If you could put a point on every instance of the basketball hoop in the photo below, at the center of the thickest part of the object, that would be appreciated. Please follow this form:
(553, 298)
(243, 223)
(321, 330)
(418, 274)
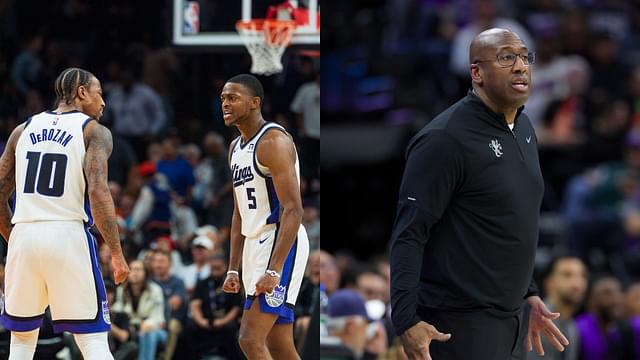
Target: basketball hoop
(266, 40)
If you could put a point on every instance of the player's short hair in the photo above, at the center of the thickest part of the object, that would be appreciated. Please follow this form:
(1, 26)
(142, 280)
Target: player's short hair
(67, 84)
(250, 82)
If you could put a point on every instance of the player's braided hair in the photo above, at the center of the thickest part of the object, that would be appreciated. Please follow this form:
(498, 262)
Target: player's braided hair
(67, 83)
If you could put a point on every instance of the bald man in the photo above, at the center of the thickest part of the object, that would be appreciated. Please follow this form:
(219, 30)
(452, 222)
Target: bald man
(466, 231)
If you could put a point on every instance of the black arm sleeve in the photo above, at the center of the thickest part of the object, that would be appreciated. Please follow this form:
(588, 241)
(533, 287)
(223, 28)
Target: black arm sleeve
(433, 172)
(533, 289)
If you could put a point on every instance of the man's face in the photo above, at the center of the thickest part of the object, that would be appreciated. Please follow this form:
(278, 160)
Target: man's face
(160, 264)
(507, 86)
(372, 287)
(329, 274)
(218, 268)
(169, 148)
(569, 281)
(607, 299)
(200, 254)
(237, 103)
(91, 99)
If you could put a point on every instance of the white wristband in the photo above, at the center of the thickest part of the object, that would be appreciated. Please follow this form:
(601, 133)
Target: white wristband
(232, 272)
(272, 273)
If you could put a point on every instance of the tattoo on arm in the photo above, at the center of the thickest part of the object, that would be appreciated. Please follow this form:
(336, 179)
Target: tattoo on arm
(8, 181)
(99, 146)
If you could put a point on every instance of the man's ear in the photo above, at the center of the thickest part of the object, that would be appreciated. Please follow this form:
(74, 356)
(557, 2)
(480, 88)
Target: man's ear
(476, 73)
(255, 102)
(81, 92)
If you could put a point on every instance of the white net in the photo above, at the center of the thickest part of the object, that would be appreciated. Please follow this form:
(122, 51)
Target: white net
(266, 41)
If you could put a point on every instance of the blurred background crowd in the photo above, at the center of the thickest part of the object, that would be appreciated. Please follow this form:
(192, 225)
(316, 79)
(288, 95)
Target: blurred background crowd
(168, 172)
(392, 65)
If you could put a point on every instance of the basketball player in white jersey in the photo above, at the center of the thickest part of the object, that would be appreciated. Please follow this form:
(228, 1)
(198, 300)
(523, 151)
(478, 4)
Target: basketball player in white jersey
(56, 162)
(266, 230)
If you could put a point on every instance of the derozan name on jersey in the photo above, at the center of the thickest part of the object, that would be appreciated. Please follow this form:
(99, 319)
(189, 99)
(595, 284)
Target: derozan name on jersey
(51, 135)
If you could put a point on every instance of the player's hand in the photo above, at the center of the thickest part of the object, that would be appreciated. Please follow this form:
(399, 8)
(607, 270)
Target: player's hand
(266, 284)
(540, 323)
(417, 338)
(120, 268)
(231, 284)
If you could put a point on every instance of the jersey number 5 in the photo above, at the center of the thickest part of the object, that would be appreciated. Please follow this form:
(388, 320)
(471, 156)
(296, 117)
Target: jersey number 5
(50, 178)
(251, 198)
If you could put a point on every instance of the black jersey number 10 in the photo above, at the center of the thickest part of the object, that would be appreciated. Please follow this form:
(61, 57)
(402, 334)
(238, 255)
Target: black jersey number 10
(50, 178)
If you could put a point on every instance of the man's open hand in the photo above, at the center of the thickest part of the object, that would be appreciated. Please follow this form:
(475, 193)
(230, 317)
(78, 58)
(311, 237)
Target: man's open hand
(541, 323)
(417, 338)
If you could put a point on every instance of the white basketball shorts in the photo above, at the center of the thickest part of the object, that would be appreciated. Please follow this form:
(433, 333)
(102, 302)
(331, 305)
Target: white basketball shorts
(54, 263)
(255, 260)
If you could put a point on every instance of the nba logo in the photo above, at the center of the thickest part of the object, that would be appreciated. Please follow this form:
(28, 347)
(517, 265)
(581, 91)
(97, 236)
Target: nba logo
(191, 17)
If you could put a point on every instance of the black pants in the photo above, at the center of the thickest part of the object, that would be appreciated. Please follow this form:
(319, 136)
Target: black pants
(478, 335)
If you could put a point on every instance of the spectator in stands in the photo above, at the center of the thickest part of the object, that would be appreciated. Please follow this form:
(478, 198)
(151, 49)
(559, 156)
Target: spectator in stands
(27, 66)
(175, 298)
(609, 124)
(136, 111)
(121, 162)
(202, 174)
(594, 205)
(329, 275)
(214, 328)
(143, 301)
(609, 73)
(201, 248)
(152, 210)
(311, 222)
(565, 286)
(372, 286)
(180, 176)
(220, 200)
(121, 340)
(347, 324)
(166, 244)
(307, 298)
(597, 327)
(177, 170)
(306, 106)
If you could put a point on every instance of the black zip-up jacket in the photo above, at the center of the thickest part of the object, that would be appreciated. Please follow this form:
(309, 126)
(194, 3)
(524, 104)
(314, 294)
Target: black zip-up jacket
(466, 229)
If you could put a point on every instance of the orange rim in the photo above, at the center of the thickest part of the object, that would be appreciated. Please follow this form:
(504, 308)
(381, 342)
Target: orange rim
(276, 32)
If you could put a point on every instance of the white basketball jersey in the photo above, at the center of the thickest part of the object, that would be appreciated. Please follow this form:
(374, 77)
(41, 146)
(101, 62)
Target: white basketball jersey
(50, 182)
(255, 194)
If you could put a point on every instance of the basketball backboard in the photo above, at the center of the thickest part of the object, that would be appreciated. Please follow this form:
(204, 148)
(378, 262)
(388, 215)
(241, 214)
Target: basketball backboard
(213, 22)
